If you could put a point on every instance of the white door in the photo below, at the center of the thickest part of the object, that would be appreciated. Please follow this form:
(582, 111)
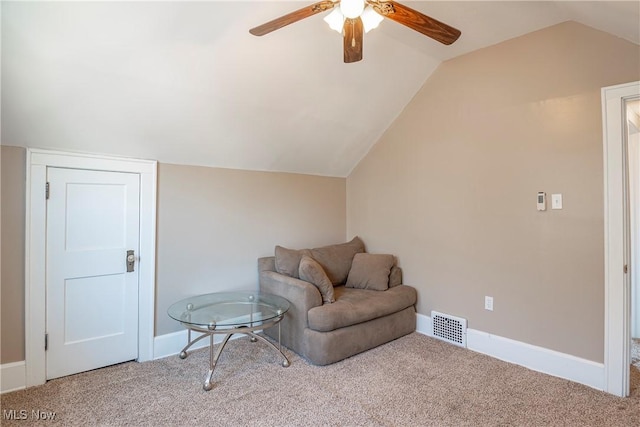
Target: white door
(91, 299)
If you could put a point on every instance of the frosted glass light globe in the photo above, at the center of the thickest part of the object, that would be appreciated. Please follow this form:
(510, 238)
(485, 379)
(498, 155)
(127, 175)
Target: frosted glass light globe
(370, 19)
(352, 8)
(335, 20)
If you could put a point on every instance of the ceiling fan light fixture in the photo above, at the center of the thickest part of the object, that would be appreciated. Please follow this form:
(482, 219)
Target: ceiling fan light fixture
(335, 20)
(370, 19)
(352, 8)
(352, 18)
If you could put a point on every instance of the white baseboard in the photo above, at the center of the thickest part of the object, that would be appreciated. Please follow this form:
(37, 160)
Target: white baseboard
(13, 376)
(536, 358)
(424, 324)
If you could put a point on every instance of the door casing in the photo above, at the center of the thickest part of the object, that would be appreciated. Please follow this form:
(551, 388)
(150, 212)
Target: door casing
(35, 249)
(617, 335)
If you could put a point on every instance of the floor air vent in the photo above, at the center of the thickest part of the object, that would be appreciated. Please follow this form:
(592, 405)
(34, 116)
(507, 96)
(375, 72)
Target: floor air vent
(449, 328)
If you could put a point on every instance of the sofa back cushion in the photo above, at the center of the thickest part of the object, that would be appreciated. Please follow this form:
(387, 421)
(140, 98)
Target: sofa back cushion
(288, 260)
(336, 259)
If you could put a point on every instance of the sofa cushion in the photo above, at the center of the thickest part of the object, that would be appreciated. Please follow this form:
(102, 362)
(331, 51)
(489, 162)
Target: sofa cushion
(312, 272)
(370, 271)
(288, 260)
(336, 259)
(355, 306)
(395, 277)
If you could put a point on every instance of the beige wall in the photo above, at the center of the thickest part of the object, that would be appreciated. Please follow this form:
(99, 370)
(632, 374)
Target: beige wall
(12, 190)
(451, 187)
(213, 224)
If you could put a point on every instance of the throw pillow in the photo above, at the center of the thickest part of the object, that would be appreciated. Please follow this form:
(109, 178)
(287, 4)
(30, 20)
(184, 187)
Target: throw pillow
(395, 277)
(312, 272)
(370, 271)
(336, 259)
(288, 260)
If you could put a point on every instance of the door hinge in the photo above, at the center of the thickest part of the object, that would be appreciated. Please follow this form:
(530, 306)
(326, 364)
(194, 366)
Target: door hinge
(46, 342)
(46, 191)
(625, 269)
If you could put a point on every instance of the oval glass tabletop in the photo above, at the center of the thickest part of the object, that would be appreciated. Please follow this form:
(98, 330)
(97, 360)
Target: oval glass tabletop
(228, 309)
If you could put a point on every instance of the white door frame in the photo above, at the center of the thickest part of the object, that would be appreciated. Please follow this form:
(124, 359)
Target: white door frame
(35, 251)
(616, 239)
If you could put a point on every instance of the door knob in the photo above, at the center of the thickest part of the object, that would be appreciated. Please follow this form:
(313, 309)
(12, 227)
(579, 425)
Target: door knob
(131, 259)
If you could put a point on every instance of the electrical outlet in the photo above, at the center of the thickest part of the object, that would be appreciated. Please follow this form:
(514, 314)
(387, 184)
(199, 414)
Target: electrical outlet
(488, 303)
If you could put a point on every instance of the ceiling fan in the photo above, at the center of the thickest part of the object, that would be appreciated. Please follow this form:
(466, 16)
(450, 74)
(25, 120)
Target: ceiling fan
(353, 17)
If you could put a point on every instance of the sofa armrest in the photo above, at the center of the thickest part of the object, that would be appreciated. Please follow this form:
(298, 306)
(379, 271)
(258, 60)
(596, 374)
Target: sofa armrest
(267, 264)
(302, 295)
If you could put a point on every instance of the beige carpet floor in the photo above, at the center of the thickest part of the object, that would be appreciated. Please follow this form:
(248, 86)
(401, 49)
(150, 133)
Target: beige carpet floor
(413, 381)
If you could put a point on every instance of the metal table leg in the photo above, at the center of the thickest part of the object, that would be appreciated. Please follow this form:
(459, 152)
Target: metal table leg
(213, 360)
(183, 354)
(215, 355)
(285, 362)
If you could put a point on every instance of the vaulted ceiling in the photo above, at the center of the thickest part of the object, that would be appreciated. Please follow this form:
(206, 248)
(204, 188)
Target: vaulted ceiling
(185, 82)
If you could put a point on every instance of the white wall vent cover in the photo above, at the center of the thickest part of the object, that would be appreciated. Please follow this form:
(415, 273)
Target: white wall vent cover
(449, 328)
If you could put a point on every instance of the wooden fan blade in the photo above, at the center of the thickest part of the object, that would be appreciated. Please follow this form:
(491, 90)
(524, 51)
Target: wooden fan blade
(292, 17)
(353, 31)
(417, 21)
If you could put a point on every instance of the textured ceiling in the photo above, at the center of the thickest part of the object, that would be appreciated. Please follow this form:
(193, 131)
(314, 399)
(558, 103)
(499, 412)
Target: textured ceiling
(185, 82)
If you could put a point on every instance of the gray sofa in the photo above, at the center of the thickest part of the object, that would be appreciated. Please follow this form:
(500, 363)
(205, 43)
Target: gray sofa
(364, 314)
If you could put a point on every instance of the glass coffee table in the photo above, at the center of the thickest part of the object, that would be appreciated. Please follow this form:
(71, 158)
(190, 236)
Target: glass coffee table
(229, 313)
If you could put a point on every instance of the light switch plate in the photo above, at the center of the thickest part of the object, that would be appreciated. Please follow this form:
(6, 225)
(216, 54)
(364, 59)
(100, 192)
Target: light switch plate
(556, 201)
